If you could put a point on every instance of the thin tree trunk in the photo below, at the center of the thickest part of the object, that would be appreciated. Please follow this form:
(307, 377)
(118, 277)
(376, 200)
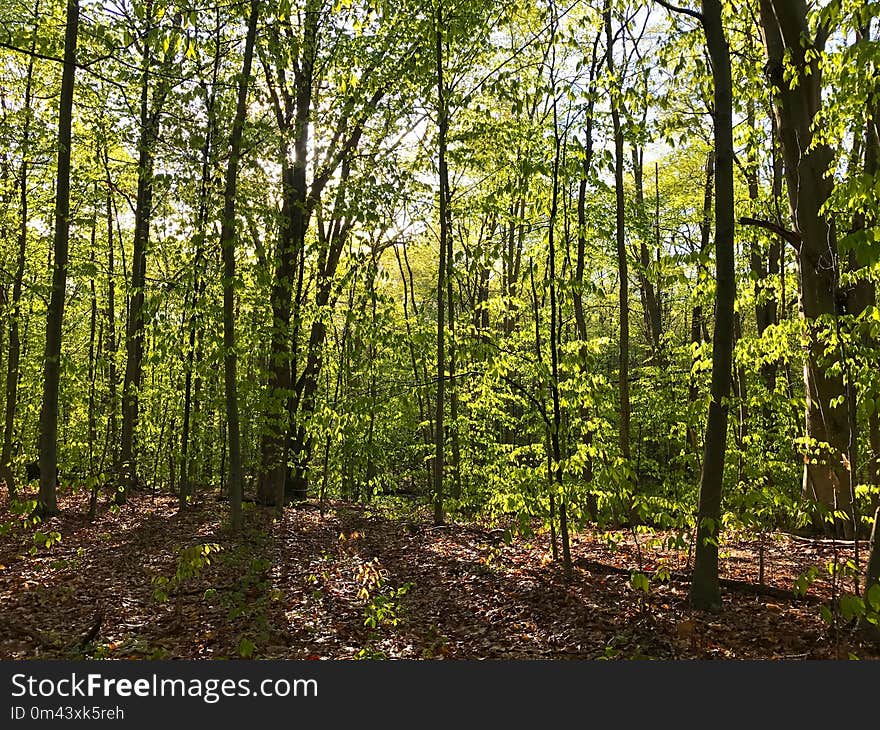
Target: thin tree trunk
(580, 270)
(47, 500)
(453, 388)
(14, 358)
(227, 250)
(705, 592)
(650, 301)
(443, 122)
(149, 132)
(93, 350)
(622, 264)
(199, 277)
(110, 341)
(555, 344)
(697, 324)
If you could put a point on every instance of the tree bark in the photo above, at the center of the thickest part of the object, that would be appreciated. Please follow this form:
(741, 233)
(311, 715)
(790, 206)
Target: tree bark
(14, 357)
(443, 124)
(786, 32)
(705, 591)
(149, 134)
(622, 264)
(555, 344)
(649, 296)
(47, 500)
(295, 217)
(199, 275)
(227, 251)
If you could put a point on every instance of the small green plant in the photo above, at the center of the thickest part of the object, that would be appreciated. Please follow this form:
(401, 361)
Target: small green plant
(246, 648)
(190, 562)
(370, 652)
(382, 610)
(381, 607)
(44, 540)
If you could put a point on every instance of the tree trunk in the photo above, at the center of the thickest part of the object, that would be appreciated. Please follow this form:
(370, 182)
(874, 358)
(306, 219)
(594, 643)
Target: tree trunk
(110, 340)
(227, 250)
(622, 264)
(199, 275)
(580, 268)
(443, 122)
(555, 344)
(705, 592)
(787, 34)
(47, 500)
(650, 299)
(295, 216)
(149, 133)
(453, 387)
(14, 357)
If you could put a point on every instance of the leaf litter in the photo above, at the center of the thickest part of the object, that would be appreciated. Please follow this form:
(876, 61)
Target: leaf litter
(360, 582)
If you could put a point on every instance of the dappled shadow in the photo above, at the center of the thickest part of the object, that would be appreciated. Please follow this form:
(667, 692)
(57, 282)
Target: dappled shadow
(105, 569)
(358, 583)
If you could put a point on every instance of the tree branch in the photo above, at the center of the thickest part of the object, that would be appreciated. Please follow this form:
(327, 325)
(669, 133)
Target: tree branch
(791, 236)
(683, 11)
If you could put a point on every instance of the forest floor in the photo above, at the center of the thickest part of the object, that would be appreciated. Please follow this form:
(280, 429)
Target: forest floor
(361, 582)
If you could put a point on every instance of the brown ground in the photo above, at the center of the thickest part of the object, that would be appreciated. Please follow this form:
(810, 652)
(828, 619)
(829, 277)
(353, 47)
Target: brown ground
(304, 587)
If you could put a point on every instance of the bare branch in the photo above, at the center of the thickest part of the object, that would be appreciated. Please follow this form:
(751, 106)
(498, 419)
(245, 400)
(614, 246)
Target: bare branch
(792, 237)
(683, 11)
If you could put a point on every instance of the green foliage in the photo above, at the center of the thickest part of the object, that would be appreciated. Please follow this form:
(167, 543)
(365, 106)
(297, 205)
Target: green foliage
(190, 562)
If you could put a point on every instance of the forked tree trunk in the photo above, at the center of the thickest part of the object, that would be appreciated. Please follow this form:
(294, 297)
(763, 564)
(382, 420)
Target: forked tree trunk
(295, 216)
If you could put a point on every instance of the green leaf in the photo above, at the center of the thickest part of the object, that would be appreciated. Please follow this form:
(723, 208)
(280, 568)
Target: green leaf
(246, 648)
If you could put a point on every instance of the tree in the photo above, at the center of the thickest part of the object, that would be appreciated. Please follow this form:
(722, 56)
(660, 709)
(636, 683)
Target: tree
(705, 591)
(14, 354)
(47, 501)
(227, 249)
(790, 43)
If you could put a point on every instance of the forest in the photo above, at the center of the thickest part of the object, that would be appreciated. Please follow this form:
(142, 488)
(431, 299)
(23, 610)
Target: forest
(439, 329)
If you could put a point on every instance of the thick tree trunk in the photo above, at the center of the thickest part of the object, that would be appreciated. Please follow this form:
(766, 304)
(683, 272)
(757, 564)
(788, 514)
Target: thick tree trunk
(786, 32)
(705, 592)
(295, 215)
(47, 500)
